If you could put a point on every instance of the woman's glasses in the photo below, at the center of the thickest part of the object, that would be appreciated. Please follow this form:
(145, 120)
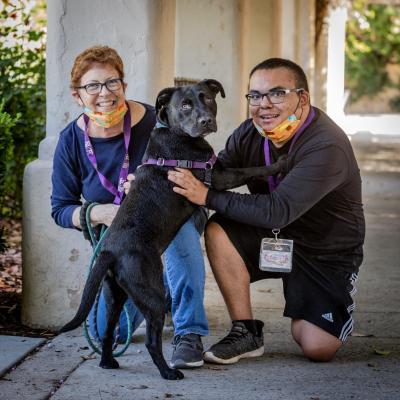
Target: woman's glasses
(95, 88)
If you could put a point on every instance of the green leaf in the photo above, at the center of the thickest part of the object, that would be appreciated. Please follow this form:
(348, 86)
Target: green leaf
(372, 43)
(23, 92)
(384, 353)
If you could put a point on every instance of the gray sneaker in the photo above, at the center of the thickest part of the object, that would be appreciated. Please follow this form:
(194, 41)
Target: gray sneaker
(239, 343)
(188, 351)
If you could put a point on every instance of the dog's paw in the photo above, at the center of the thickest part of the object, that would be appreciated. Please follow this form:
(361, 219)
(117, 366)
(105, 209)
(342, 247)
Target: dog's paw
(172, 374)
(107, 364)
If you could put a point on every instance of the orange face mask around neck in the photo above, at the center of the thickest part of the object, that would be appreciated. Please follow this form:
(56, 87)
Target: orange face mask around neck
(282, 132)
(107, 119)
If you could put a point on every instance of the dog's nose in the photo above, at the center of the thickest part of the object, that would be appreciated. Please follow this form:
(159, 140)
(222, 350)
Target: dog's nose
(204, 121)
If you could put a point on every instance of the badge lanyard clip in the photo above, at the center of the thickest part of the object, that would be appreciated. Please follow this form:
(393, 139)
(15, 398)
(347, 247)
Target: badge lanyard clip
(276, 232)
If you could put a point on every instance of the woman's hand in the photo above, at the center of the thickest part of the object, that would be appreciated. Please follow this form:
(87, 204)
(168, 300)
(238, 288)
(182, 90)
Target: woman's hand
(190, 187)
(127, 185)
(103, 214)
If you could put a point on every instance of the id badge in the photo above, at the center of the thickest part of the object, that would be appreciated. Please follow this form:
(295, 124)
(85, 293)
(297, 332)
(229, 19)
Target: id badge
(276, 254)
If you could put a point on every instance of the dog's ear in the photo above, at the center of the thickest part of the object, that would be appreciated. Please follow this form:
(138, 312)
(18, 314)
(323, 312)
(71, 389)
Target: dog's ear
(215, 86)
(163, 98)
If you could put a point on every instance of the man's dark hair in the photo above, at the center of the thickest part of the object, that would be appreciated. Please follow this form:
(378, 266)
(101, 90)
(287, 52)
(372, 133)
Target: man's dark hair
(273, 63)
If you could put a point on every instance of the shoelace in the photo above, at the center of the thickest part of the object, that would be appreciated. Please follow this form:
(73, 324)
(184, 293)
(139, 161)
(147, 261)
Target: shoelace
(233, 336)
(184, 340)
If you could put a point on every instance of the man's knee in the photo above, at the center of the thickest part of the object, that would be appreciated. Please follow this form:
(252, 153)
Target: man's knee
(319, 353)
(316, 344)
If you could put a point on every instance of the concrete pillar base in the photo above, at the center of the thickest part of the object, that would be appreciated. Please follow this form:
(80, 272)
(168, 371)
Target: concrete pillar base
(54, 259)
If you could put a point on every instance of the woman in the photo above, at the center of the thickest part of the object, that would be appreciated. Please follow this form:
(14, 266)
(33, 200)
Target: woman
(94, 155)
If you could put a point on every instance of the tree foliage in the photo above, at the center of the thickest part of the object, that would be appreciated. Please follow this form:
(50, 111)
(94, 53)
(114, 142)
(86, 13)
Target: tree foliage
(6, 151)
(22, 90)
(372, 43)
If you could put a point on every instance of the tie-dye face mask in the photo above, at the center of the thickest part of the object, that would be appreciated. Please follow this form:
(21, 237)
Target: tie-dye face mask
(107, 119)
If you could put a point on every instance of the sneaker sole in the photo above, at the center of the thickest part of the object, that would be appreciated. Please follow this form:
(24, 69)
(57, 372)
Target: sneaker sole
(186, 365)
(211, 358)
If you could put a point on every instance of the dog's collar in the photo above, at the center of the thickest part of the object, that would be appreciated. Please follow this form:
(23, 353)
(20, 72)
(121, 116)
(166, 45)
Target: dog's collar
(189, 164)
(160, 124)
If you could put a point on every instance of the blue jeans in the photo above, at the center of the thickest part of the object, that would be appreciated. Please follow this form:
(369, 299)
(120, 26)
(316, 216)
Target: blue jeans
(185, 275)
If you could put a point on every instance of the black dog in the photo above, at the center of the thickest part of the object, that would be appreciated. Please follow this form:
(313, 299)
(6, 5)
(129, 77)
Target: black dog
(150, 216)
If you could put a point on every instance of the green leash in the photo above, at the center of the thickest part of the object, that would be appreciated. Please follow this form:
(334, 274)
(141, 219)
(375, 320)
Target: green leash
(96, 245)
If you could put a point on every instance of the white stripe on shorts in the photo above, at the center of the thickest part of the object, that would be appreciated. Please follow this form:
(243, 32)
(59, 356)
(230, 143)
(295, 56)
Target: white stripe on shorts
(349, 324)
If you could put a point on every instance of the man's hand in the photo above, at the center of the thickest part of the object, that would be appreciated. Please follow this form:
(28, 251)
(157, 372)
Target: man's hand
(127, 184)
(190, 187)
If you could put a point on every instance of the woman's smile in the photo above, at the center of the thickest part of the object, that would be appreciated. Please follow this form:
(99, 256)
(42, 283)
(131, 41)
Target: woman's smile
(106, 105)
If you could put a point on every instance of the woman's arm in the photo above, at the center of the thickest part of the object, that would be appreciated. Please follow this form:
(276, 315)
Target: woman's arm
(66, 183)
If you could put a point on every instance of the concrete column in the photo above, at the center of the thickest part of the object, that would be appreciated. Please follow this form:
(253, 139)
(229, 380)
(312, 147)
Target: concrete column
(55, 259)
(287, 29)
(321, 58)
(258, 40)
(277, 29)
(207, 45)
(335, 65)
(305, 39)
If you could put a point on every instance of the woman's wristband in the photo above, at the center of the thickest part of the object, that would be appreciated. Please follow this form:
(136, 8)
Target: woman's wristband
(82, 219)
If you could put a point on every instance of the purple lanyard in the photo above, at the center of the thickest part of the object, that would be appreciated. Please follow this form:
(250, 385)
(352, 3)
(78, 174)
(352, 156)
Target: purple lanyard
(272, 182)
(119, 191)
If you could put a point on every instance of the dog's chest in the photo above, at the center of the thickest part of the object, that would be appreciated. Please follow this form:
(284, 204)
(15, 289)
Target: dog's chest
(168, 144)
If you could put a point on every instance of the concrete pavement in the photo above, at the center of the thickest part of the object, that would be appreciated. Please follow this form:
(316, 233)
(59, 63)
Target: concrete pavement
(14, 349)
(367, 367)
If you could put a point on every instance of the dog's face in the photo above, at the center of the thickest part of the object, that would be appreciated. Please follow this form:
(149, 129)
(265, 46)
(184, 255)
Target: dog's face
(190, 109)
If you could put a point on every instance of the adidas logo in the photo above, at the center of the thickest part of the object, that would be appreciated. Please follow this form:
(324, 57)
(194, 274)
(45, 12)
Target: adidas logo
(328, 316)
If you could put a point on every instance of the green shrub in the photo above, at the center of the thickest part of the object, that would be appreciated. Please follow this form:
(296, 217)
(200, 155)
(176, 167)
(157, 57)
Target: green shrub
(6, 151)
(22, 89)
(372, 43)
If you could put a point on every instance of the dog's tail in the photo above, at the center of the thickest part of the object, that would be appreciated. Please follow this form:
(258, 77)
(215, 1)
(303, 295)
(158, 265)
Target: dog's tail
(103, 263)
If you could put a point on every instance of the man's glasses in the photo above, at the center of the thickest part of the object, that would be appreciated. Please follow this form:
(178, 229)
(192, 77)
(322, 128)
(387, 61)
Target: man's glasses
(276, 96)
(95, 88)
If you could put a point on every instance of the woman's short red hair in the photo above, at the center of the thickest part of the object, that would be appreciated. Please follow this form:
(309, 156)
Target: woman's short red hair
(92, 55)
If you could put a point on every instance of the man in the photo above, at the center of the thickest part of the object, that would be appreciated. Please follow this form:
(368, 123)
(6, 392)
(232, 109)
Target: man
(317, 204)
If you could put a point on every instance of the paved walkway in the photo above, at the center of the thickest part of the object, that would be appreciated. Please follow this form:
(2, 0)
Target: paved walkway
(368, 366)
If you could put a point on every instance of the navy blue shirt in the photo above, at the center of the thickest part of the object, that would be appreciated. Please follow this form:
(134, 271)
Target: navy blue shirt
(74, 176)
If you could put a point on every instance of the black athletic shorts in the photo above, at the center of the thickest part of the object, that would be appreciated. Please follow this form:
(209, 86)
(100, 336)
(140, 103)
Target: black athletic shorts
(319, 288)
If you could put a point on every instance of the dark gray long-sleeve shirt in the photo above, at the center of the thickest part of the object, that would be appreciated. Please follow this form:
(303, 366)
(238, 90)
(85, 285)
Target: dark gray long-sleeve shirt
(317, 204)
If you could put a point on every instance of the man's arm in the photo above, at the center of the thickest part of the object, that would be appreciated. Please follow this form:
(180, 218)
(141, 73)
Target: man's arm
(320, 171)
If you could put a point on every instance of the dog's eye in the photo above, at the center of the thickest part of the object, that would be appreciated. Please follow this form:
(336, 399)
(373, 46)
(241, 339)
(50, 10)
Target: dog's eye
(208, 100)
(186, 106)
